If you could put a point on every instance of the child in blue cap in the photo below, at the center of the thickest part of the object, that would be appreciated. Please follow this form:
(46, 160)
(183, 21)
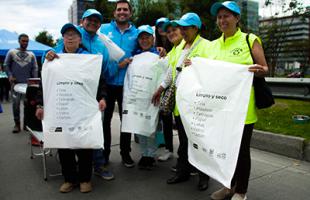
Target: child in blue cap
(147, 144)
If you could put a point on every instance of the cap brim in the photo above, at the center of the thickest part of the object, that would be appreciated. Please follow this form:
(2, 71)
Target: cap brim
(69, 26)
(180, 23)
(215, 7)
(144, 32)
(167, 24)
(96, 15)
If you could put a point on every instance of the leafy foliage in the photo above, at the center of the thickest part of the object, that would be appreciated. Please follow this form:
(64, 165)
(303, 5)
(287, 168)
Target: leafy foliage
(106, 8)
(45, 38)
(202, 8)
(148, 11)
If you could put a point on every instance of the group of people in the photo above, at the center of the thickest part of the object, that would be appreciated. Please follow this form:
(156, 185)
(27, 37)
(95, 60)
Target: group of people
(181, 39)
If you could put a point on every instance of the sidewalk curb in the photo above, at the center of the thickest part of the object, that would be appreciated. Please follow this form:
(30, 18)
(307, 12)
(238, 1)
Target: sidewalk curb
(307, 152)
(294, 147)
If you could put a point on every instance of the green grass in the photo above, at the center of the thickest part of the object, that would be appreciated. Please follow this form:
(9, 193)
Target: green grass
(278, 118)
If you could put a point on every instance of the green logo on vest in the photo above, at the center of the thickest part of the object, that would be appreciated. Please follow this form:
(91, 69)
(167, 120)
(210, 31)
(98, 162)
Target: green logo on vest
(236, 51)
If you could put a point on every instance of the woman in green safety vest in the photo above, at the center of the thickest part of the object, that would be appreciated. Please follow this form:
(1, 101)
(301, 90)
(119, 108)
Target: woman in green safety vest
(192, 45)
(233, 47)
(174, 37)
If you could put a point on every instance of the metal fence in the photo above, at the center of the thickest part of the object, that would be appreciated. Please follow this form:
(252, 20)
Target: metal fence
(295, 88)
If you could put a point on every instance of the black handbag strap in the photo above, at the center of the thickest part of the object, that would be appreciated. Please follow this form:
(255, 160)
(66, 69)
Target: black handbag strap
(247, 41)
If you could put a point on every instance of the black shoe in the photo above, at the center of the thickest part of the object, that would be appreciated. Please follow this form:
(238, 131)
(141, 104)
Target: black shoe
(127, 161)
(16, 128)
(150, 163)
(178, 178)
(173, 168)
(142, 163)
(203, 183)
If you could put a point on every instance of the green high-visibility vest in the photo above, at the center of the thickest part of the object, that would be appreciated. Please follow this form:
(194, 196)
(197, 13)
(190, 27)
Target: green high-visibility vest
(235, 49)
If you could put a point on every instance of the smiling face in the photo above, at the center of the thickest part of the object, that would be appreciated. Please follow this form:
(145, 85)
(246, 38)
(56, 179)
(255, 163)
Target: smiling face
(122, 13)
(146, 41)
(189, 33)
(227, 21)
(91, 24)
(174, 35)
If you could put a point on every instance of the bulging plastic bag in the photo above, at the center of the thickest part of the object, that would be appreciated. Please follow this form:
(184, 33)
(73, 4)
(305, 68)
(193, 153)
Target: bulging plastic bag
(71, 113)
(115, 52)
(212, 97)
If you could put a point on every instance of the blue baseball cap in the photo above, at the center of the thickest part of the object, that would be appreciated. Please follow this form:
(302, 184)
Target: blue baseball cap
(145, 28)
(92, 12)
(161, 20)
(69, 26)
(169, 23)
(230, 5)
(189, 19)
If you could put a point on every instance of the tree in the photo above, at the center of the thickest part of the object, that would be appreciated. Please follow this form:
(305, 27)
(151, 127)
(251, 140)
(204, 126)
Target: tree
(148, 11)
(106, 8)
(202, 8)
(45, 38)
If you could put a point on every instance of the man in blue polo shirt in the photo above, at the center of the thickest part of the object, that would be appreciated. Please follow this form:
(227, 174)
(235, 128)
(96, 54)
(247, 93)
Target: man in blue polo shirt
(124, 34)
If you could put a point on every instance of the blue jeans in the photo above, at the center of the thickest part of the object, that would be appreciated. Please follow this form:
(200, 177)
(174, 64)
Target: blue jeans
(147, 145)
(16, 98)
(99, 154)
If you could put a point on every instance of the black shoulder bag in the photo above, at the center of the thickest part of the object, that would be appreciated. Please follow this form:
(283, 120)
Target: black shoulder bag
(263, 94)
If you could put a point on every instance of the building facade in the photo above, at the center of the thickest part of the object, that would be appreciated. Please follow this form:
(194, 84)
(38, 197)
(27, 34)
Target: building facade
(249, 11)
(77, 9)
(287, 43)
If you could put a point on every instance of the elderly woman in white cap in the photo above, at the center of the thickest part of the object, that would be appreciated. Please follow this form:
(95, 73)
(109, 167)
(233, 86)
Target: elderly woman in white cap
(173, 33)
(251, 51)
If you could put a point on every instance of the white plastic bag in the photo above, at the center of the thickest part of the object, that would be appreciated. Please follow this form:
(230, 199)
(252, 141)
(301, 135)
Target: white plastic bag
(115, 52)
(143, 77)
(71, 114)
(212, 97)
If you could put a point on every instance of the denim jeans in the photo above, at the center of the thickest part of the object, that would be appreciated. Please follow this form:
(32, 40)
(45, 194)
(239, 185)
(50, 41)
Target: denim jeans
(16, 98)
(147, 145)
(99, 154)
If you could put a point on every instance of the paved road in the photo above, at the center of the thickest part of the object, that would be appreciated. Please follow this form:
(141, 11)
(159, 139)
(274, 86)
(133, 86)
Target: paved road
(273, 177)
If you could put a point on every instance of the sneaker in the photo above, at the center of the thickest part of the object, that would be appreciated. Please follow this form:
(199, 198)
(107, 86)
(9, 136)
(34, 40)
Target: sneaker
(104, 173)
(239, 197)
(66, 187)
(165, 156)
(222, 193)
(127, 161)
(85, 187)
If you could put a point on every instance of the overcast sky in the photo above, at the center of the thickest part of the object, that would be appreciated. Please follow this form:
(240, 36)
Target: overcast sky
(33, 16)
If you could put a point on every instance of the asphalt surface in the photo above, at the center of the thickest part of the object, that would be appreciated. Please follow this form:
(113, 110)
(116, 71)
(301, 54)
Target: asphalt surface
(273, 177)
